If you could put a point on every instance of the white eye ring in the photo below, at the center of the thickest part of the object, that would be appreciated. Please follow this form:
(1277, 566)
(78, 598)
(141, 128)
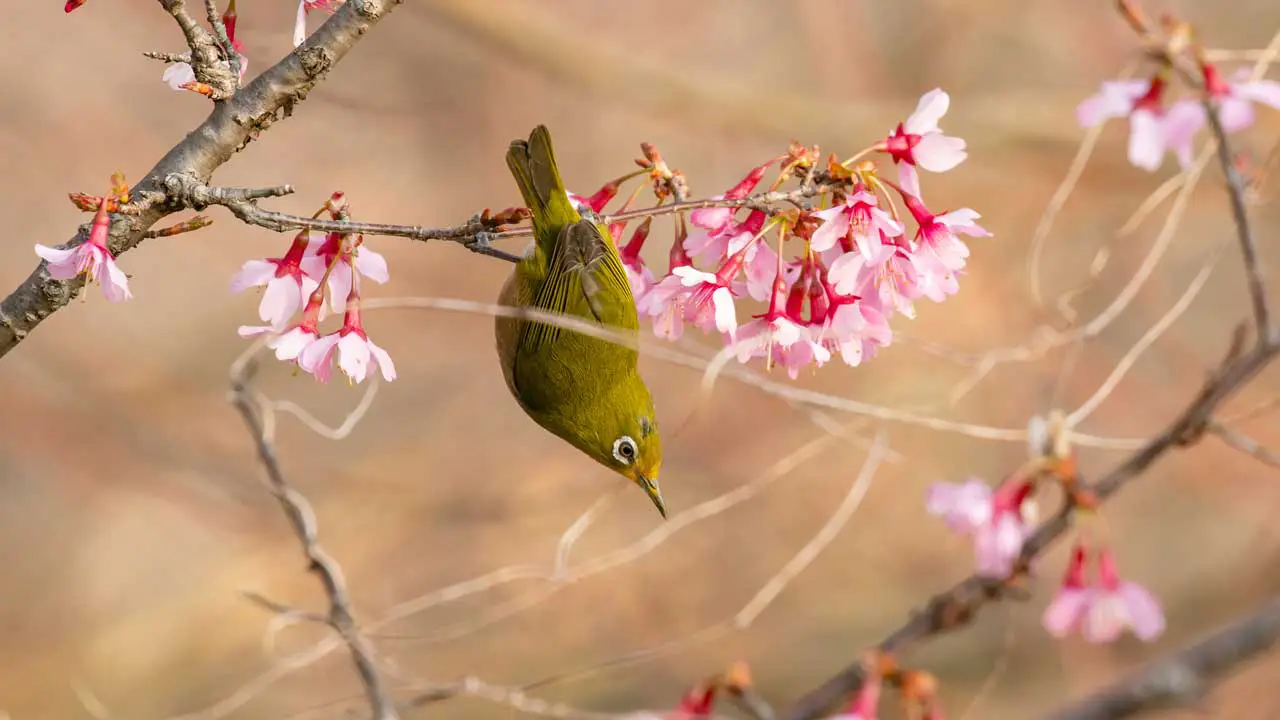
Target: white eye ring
(624, 450)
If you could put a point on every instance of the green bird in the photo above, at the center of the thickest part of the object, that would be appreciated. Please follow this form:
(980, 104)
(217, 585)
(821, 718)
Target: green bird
(585, 390)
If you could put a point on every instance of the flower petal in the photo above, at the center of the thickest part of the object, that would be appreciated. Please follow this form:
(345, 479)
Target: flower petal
(253, 273)
(932, 106)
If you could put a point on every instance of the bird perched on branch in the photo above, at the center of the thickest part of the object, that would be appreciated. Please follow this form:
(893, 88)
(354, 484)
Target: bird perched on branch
(585, 390)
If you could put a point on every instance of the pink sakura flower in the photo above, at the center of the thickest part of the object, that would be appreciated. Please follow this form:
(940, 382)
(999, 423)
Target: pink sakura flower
(91, 258)
(1071, 603)
(1153, 129)
(920, 142)
(1120, 604)
(716, 243)
(1235, 99)
(596, 202)
(1104, 611)
(995, 520)
(857, 330)
(664, 302)
(290, 343)
(939, 252)
(357, 354)
(286, 283)
(780, 334)
(708, 299)
(858, 218)
(883, 274)
(639, 276)
(358, 259)
(306, 6)
(72, 5)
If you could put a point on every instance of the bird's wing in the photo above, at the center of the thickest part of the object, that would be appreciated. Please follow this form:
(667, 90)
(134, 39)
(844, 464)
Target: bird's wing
(585, 278)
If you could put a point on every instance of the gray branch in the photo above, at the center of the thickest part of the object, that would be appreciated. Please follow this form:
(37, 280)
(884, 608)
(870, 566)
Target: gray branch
(271, 97)
(303, 521)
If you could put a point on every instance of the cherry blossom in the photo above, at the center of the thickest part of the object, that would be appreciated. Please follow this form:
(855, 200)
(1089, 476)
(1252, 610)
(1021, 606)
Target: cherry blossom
(327, 249)
(994, 520)
(1153, 129)
(708, 301)
(92, 258)
(1235, 99)
(287, 285)
(858, 218)
(356, 353)
(1071, 603)
(1119, 605)
(920, 142)
(639, 276)
(290, 343)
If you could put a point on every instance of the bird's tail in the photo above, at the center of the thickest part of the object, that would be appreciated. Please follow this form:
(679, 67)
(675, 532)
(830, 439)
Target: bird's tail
(533, 165)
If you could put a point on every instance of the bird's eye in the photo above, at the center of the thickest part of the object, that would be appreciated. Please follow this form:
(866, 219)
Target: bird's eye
(624, 450)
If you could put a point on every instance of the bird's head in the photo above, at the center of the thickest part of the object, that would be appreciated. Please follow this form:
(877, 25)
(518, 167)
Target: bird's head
(626, 440)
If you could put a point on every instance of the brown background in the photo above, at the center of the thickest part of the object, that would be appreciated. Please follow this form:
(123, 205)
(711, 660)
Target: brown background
(131, 514)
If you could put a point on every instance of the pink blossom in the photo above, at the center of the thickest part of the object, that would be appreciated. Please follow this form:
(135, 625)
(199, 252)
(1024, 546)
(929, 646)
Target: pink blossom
(859, 218)
(1235, 99)
(357, 354)
(886, 277)
(1068, 608)
(306, 6)
(716, 243)
(698, 702)
(286, 283)
(995, 520)
(920, 142)
(639, 276)
(1120, 604)
(290, 343)
(91, 258)
(779, 334)
(1152, 128)
(709, 301)
(359, 259)
(857, 330)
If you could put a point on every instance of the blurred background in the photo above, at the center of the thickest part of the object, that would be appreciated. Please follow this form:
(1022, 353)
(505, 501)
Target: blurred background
(132, 513)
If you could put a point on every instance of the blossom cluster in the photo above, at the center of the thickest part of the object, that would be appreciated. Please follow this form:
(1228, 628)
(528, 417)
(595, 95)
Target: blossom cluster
(831, 274)
(1157, 126)
(999, 523)
(315, 267)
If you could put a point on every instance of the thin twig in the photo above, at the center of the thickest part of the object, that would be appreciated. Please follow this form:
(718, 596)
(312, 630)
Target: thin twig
(1183, 678)
(1245, 444)
(303, 521)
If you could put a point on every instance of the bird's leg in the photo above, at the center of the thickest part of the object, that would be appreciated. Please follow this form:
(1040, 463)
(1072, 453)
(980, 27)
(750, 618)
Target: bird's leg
(483, 244)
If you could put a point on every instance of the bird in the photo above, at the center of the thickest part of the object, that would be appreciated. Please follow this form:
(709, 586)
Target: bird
(585, 390)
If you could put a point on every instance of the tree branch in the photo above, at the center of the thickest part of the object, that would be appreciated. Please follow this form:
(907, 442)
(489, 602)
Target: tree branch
(230, 126)
(1183, 678)
(956, 607)
(303, 521)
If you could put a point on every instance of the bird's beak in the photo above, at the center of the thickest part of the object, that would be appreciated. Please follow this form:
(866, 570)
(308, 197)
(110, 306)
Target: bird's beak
(651, 489)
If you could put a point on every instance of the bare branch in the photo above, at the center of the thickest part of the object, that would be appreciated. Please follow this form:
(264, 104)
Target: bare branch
(956, 607)
(232, 124)
(1245, 444)
(207, 53)
(302, 519)
(1183, 678)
